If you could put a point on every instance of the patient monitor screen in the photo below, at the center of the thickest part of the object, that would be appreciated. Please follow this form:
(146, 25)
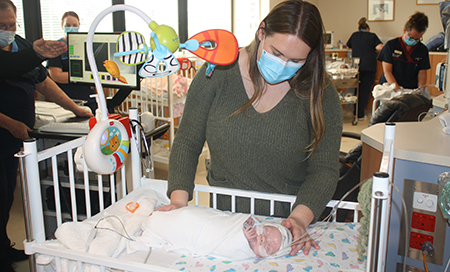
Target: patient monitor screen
(104, 47)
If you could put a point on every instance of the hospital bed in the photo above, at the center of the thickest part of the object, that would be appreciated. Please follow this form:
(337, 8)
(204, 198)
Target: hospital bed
(338, 241)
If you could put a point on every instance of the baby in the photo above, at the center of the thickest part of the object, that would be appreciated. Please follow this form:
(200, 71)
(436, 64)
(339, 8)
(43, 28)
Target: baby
(267, 240)
(202, 231)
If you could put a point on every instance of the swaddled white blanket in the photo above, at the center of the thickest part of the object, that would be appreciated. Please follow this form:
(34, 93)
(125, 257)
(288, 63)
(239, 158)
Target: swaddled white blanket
(107, 232)
(199, 231)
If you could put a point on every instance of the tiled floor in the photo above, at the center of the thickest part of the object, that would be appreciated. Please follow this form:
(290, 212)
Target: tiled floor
(16, 226)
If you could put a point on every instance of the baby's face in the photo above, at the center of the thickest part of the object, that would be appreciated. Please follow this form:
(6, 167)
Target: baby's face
(268, 241)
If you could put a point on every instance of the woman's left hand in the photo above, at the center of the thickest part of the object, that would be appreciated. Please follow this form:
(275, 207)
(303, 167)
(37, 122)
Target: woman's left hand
(297, 223)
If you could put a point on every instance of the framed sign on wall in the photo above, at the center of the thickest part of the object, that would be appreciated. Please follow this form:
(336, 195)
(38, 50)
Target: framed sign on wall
(381, 10)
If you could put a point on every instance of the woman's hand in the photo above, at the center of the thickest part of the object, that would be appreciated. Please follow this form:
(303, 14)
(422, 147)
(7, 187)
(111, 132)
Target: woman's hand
(178, 199)
(297, 223)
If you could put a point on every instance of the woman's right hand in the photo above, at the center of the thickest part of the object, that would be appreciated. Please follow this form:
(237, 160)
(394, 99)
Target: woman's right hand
(178, 199)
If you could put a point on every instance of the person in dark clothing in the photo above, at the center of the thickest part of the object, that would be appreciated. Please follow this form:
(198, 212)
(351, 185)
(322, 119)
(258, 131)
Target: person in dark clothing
(17, 116)
(364, 45)
(58, 67)
(405, 59)
(25, 60)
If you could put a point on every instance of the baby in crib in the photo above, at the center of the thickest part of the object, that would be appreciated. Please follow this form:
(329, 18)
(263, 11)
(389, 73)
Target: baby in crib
(204, 231)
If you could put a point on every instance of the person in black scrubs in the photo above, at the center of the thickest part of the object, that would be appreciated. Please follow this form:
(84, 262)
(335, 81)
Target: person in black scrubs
(17, 117)
(58, 68)
(405, 59)
(364, 45)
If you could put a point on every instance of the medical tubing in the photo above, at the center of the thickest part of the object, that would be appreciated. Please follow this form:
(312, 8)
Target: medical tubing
(425, 266)
(406, 224)
(90, 54)
(404, 207)
(126, 236)
(448, 264)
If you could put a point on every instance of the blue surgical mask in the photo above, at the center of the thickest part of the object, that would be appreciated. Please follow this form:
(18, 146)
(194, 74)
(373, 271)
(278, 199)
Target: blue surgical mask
(70, 29)
(411, 42)
(275, 70)
(6, 37)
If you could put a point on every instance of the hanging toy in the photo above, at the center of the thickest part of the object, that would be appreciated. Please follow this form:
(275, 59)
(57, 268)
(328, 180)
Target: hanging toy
(132, 49)
(107, 144)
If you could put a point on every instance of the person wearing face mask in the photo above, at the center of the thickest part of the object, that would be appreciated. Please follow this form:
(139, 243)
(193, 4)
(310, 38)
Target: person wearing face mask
(405, 59)
(17, 116)
(272, 121)
(58, 67)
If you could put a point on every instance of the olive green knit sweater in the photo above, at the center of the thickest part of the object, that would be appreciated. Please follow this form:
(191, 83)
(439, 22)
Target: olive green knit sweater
(260, 151)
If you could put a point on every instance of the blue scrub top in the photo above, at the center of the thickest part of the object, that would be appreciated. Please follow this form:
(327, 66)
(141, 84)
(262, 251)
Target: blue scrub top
(405, 64)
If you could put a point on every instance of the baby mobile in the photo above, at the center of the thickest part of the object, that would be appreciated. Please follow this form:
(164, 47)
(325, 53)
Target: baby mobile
(107, 144)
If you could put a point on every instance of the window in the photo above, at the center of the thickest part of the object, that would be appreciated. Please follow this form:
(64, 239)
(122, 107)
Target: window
(52, 11)
(21, 26)
(162, 12)
(247, 19)
(208, 14)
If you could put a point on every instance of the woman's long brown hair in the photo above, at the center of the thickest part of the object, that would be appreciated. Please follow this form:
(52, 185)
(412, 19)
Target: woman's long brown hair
(302, 19)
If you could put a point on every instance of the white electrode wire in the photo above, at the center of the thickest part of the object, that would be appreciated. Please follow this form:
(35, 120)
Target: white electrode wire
(326, 220)
(406, 224)
(90, 54)
(333, 211)
(448, 263)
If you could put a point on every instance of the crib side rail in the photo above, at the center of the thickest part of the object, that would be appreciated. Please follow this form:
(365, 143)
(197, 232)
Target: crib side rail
(85, 260)
(42, 169)
(253, 195)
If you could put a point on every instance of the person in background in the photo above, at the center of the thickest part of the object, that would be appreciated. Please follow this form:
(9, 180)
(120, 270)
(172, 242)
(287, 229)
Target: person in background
(58, 67)
(405, 59)
(18, 63)
(364, 45)
(272, 121)
(17, 116)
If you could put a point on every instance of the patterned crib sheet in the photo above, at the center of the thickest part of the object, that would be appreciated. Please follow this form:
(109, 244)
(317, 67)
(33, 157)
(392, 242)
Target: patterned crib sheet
(338, 252)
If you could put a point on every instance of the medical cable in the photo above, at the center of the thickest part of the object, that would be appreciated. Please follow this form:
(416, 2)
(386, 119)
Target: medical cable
(325, 221)
(425, 262)
(332, 213)
(406, 224)
(148, 165)
(126, 236)
(448, 263)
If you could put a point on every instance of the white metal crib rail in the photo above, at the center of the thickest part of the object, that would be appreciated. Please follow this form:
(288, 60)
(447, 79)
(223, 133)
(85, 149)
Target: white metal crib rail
(253, 195)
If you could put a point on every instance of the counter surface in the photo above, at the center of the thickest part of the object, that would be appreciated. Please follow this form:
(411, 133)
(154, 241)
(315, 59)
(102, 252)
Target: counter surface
(414, 141)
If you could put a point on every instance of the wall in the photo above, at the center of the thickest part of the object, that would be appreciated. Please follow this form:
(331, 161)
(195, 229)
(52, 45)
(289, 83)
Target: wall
(342, 16)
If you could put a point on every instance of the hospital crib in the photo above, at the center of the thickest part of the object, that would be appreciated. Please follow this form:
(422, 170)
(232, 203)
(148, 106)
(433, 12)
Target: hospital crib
(120, 186)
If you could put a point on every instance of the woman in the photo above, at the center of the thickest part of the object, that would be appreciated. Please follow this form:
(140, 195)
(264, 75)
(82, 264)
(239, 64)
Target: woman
(364, 45)
(58, 68)
(271, 119)
(405, 59)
